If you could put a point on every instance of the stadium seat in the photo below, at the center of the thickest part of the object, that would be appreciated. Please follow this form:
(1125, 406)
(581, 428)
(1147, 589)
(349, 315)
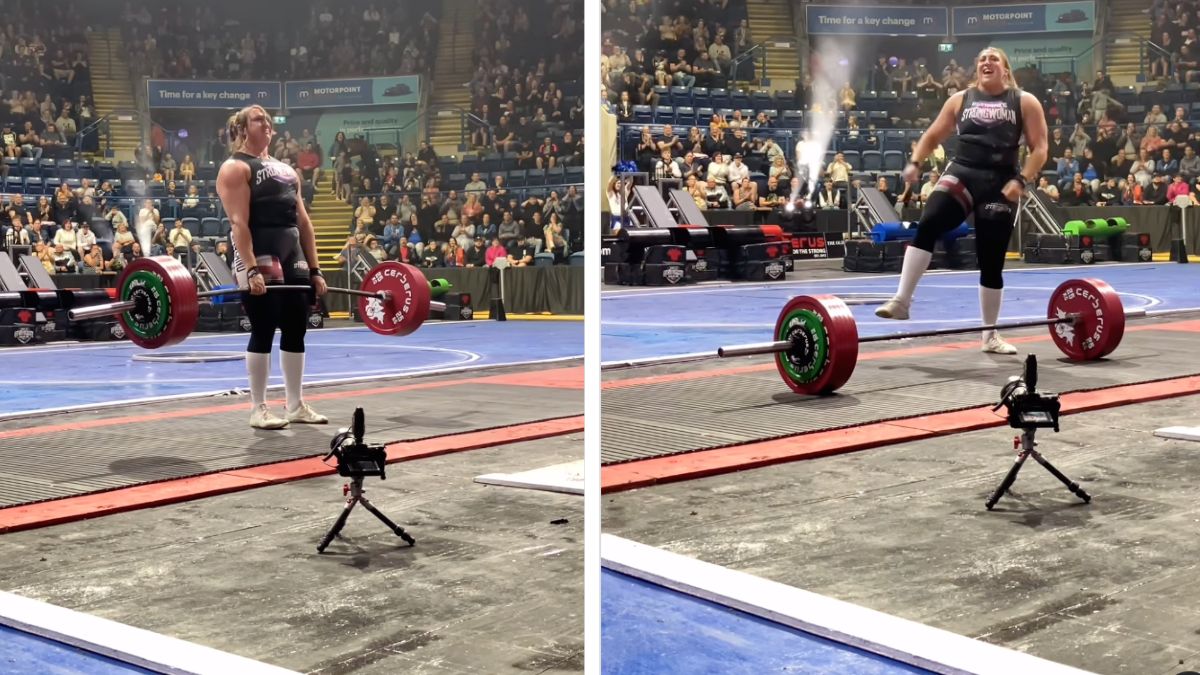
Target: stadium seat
(893, 160)
(29, 168)
(14, 183)
(704, 116)
(664, 95)
(792, 119)
(210, 227)
(872, 160)
(85, 169)
(73, 183)
(51, 184)
(895, 140)
(680, 96)
(158, 189)
(517, 178)
(168, 223)
(685, 115)
(492, 162)
(664, 114)
(740, 99)
(535, 177)
(33, 186)
(47, 168)
(643, 114)
(853, 159)
(207, 171)
(66, 168)
(225, 227)
(701, 98)
(192, 225)
(761, 100)
(556, 176)
(574, 175)
(719, 98)
(106, 170)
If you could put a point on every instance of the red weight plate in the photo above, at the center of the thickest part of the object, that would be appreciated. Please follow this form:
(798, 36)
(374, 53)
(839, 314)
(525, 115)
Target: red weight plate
(168, 288)
(834, 333)
(1102, 319)
(408, 306)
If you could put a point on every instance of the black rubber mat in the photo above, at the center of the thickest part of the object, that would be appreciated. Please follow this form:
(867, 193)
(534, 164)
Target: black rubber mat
(670, 417)
(63, 462)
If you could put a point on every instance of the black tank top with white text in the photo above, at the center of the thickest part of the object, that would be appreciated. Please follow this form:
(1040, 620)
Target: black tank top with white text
(989, 130)
(273, 192)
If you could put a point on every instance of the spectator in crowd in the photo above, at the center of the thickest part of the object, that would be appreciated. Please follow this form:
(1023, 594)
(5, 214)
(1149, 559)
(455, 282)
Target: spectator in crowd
(495, 251)
(1189, 166)
(476, 254)
(1109, 193)
(1177, 188)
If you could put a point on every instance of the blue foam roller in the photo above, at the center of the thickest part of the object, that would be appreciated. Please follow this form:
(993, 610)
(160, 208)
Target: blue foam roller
(233, 297)
(893, 231)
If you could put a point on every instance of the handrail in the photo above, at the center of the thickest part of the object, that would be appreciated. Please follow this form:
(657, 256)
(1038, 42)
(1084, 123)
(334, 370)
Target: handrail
(746, 56)
(102, 122)
(464, 117)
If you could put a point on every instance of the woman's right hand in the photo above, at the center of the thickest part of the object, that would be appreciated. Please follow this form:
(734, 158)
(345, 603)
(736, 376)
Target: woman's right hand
(258, 285)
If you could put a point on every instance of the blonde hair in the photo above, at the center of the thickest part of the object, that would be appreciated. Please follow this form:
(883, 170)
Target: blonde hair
(1009, 80)
(235, 126)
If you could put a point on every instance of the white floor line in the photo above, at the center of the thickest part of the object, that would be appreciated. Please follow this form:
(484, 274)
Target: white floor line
(124, 643)
(890, 636)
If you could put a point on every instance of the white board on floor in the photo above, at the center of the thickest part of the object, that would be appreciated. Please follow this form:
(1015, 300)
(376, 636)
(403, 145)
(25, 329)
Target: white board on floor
(1179, 433)
(566, 478)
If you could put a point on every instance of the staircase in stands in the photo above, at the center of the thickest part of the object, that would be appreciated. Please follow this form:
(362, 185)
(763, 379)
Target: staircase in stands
(451, 72)
(1126, 17)
(331, 222)
(773, 19)
(112, 89)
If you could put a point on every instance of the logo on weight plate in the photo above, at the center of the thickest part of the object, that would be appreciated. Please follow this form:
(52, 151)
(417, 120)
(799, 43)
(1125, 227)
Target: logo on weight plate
(23, 335)
(773, 270)
(314, 320)
(375, 310)
(244, 322)
(673, 274)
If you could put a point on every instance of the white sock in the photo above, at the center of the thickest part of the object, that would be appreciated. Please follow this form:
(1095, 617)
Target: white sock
(292, 365)
(916, 261)
(989, 308)
(258, 367)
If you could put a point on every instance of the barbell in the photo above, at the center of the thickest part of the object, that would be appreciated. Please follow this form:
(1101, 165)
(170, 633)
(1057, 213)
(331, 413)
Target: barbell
(816, 338)
(159, 303)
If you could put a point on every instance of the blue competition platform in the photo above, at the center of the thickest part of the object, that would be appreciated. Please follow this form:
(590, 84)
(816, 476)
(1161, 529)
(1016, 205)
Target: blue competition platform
(646, 628)
(639, 325)
(91, 374)
(22, 653)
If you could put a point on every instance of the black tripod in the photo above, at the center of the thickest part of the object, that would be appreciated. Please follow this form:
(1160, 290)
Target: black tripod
(355, 490)
(357, 460)
(1026, 444)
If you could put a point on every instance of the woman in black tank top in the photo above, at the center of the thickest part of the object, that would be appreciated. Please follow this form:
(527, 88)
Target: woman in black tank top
(983, 183)
(273, 241)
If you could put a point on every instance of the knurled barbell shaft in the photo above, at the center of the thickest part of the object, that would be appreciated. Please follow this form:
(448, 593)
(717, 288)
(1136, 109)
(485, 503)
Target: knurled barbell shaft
(785, 345)
(115, 308)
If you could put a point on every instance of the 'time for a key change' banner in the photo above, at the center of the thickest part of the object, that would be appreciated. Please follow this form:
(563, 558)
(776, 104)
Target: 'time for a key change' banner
(876, 20)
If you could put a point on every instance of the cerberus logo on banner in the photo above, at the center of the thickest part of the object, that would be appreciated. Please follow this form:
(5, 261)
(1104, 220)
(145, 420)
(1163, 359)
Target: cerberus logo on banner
(23, 335)
(117, 331)
(673, 274)
(773, 270)
(701, 265)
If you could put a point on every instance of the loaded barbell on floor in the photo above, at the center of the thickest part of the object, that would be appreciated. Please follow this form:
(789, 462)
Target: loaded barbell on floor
(816, 338)
(159, 302)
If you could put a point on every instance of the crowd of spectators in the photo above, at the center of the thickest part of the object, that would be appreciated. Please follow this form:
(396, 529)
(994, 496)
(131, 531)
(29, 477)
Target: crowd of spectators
(644, 45)
(318, 40)
(524, 53)
(1176, 52)
(45, 82)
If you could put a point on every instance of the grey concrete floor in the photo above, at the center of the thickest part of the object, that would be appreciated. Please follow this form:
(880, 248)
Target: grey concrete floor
(1112, 587)
(494, 584)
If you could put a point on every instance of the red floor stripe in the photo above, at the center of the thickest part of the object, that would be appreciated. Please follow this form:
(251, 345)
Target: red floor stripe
(71, 509)
(555, 378)
(691, 465)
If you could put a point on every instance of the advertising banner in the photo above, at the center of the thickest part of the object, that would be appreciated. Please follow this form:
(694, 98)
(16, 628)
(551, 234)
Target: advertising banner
(210, 94)
(1053, 17)
(357, 92)
(876, 20)
(1027, 51)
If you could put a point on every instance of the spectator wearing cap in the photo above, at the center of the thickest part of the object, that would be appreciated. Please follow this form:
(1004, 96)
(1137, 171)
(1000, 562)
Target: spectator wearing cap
(738, 171)
(666, 167)
(85, 239)
(476, 254)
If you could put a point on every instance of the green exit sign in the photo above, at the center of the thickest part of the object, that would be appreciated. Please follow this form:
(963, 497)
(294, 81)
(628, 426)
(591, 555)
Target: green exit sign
(946, 47)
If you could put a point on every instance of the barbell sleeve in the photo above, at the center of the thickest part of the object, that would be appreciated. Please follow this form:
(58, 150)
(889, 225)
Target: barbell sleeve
(100, 311)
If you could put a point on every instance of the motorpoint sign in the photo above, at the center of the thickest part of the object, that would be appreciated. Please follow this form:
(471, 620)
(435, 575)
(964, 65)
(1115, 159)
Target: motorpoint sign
(364, 91)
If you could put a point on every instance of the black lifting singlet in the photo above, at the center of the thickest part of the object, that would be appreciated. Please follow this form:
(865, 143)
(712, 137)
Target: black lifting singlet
(272, 192)
(989, 130)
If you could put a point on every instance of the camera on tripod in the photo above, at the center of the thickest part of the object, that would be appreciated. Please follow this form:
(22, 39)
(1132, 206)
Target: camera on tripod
(1027, 409)
(355, 458)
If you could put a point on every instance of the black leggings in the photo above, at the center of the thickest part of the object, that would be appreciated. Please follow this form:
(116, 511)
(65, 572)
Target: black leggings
(963, 192)
(283, 310)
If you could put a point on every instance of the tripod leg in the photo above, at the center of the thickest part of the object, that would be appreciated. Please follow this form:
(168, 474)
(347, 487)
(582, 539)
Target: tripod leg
(1008, 480)
(395, 528)
(1071, 485)
(337, 526)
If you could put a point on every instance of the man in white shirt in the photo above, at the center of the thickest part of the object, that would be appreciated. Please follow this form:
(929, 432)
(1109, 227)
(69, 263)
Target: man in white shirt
(85, 239)
(666, 167)
(738, 171)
